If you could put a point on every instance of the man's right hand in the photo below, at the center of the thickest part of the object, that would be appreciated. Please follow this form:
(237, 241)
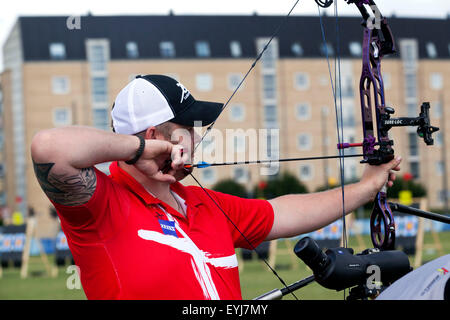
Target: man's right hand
(154, 157)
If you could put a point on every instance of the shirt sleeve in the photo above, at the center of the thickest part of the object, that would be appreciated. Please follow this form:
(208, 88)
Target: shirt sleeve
(99, 218)
(253, 217)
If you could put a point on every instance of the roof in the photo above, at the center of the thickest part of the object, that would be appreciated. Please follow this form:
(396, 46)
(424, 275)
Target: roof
(218, 31)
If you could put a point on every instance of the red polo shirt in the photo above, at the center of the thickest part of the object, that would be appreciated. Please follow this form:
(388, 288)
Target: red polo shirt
(130, 245)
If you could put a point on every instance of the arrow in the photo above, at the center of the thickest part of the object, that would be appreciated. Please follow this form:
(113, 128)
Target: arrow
(203, 164)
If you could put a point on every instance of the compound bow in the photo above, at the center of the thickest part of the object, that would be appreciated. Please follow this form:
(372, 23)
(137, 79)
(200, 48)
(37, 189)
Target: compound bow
(377, 43)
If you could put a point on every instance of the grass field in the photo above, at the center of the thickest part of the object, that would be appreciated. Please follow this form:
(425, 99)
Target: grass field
(256, 278)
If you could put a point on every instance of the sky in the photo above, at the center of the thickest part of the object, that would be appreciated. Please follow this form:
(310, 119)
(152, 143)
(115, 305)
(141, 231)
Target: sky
(10, 10)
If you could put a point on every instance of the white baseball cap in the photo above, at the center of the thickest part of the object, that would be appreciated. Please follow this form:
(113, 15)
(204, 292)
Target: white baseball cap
(154, 99)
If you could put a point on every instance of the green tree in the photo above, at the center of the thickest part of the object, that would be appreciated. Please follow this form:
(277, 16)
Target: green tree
(229, 186)
(286, 183)
(417, 189)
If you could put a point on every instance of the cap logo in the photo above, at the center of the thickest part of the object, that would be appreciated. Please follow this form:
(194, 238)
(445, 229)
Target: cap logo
(184, 92)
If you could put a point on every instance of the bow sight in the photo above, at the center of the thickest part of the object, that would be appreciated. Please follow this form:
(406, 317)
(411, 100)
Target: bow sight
(424, 128)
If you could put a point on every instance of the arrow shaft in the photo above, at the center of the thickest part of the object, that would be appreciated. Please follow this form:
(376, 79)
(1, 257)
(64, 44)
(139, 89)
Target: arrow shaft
(272, 161)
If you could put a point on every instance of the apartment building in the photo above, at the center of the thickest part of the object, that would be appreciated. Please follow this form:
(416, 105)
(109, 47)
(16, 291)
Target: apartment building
(57, 73)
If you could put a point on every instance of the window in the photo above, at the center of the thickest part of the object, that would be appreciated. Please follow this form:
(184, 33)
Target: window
(350, 171)
(235, 48)
(327, 49)
(269, 57)
(410, 85)
(62, 117)
(202, 49)
(301, 81)
(132, 50)
(57, 51)
(304, 141)
(167, 49)
(208, 145)
(240, 175)
(413, 147)
(439, 168)
(306, 172)
(2, 198)
(439, 139)
(272, 144)
(100, 118)
(408, 51)
(209, 175)
(99, 89)
(411, 109)
(97, 56)
(297, 49)
(303, 111)
(415, 169)
(239, 144)
(443, 196)
(355, 49)
(269, 86)
(204, 82)
(431, 50)
(60, 85)
(347, 87)
(348, 116)
(270, 115)
(234, 80)
(237, 113)
(387, 80)
(437, 109)
(436, 81)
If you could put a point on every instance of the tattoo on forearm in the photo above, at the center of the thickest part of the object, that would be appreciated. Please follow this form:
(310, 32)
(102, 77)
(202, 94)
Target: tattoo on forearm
(69, 190)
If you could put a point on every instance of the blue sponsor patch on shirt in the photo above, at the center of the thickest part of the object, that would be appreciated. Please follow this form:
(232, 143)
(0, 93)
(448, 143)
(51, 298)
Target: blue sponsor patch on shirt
(168, 227)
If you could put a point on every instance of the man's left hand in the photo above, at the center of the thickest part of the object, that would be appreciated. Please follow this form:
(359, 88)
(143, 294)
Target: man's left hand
(376, 176)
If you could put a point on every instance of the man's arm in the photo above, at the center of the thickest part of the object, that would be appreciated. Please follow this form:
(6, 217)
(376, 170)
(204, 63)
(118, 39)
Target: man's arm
(63, 159)
(302, 213)
(72, 188)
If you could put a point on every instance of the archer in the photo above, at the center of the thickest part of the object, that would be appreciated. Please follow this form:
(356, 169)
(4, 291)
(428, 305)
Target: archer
(139, 233)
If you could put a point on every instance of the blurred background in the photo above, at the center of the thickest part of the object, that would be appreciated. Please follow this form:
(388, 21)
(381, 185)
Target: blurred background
(64, 65)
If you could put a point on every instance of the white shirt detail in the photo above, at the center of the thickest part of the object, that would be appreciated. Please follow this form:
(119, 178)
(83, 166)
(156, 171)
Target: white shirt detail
(199, 259)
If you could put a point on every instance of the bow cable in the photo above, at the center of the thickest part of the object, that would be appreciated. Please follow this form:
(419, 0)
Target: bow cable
(338, 112)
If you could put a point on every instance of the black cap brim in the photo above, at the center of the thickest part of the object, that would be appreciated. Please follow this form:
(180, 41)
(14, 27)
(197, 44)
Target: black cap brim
(199, 114)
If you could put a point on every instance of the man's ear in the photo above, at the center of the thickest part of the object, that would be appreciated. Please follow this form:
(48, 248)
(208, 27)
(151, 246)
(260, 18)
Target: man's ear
(150, 133)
